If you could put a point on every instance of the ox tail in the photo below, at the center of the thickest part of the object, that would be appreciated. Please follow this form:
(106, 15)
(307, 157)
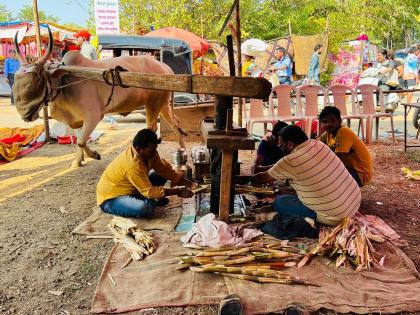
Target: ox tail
(175, 119)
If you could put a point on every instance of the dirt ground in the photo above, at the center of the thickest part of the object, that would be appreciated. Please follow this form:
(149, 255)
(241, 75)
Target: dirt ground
(42, 199)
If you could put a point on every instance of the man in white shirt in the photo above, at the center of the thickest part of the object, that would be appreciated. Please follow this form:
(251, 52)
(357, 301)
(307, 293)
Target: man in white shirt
(86, 49)
(325, 190)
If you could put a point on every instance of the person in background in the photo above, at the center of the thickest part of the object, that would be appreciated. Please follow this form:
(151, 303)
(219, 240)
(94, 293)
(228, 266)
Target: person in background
(283, 66)
(86, 49)
(11, 65)
(315, 65)
(268, 152)
(384, 69)
(250, 69)
(399, 66)
(133, 183)
(346, 145)
(410, 74)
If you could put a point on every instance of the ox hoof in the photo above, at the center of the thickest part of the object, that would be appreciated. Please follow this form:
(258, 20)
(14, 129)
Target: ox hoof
(96, 155)
(76, 164)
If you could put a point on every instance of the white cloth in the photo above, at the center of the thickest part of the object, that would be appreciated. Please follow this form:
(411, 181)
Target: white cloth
(88, 51)
(210, 232)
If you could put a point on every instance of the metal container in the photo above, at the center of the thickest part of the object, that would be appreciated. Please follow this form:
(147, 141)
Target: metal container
(200, 155)
(179, 157)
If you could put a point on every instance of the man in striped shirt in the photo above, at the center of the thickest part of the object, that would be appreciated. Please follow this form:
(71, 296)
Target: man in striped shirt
(325, 190)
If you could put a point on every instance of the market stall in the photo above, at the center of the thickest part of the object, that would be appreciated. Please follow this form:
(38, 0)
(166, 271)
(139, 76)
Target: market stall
(351, 60)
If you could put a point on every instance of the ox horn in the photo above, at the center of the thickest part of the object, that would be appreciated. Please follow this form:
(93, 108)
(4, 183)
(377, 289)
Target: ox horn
(47, 54)
(18, 55)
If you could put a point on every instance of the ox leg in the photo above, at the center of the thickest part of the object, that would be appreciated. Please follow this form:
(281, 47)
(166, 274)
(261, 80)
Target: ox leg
(89, 125)
(152, 117)
(173, 121)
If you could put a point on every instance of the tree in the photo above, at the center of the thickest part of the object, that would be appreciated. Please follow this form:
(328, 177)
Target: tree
(26, 13)
(387, 22)
(5, 14)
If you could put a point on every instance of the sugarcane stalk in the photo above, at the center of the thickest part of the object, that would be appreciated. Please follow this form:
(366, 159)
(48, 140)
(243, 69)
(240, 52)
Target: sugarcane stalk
(267, 280)
(224, 253)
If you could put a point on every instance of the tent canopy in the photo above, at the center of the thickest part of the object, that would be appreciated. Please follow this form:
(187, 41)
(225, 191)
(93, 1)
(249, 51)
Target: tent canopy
(198, 45)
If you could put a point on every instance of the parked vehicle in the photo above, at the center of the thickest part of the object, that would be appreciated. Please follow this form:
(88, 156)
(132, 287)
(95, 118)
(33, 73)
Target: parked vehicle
(177, 54)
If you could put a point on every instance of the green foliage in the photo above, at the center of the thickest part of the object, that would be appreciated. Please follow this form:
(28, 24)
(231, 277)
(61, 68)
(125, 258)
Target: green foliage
(386, 22)
(5, 14)
(26, 13)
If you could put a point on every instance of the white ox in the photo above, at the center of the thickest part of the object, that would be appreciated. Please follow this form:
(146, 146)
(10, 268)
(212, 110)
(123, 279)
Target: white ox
(83, 104)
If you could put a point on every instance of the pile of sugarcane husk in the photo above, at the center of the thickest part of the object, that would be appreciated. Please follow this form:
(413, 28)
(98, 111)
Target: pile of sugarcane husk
(260, 261)
(348, 244)
(137, 242)
(246, 189)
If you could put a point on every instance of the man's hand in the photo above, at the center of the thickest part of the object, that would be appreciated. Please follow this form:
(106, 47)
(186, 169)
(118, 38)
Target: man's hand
(185, 192)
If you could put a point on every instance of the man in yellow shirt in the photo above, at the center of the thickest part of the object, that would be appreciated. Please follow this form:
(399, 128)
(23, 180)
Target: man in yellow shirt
(132, 184)
(346, 145)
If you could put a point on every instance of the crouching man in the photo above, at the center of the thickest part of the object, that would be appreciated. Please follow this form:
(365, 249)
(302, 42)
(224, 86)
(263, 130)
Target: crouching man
(325, 190)
(132, 184)
(348, 147)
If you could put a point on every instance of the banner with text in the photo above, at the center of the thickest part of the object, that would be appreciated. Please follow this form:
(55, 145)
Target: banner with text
(107, 18)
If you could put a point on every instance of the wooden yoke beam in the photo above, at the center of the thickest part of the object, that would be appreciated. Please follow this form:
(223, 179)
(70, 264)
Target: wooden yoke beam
(194, 84)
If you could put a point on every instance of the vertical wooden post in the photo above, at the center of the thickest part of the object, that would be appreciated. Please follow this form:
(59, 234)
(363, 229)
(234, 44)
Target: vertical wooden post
(239, 58)
(290, 28)
(38, 42)
(225, 185)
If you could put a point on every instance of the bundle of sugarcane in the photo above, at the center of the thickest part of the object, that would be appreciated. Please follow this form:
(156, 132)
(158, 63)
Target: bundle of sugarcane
(349, 243)
(259, 261)
(243, 189)
(139, 243)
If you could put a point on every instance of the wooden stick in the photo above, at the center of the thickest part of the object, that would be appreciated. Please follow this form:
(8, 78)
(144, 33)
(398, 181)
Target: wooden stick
(110, 278)
(98, 236)
(129, 260)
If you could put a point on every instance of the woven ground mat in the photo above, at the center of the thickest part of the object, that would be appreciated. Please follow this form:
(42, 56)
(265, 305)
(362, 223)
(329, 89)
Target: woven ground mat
(164, 218)
(154, 282)
(395, 288)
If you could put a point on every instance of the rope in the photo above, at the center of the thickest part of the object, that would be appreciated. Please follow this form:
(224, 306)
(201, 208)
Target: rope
(53, 92)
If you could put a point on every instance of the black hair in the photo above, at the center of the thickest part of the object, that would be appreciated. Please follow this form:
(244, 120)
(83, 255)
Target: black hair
(144, 138)
(317, 46)
(330, 110)
(279, 125)
(383, 52)
(294, 134)
(281, 49)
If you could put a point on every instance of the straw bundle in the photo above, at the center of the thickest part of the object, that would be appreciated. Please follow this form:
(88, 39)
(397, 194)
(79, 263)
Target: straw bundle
(139, 243)
(349, 244)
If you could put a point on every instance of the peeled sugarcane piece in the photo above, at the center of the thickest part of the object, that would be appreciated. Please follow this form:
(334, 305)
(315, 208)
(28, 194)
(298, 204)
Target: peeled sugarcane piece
(139, 243)
(315, 250)
(243, 189)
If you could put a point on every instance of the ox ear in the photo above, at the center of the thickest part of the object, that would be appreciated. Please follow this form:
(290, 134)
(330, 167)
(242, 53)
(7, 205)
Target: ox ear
(57, 73)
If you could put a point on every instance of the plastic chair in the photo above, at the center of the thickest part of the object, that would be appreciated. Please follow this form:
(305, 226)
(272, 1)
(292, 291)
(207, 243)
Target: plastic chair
(310, 92)
(256, 115)
(339, 100)
(369, 110)
(283, 111)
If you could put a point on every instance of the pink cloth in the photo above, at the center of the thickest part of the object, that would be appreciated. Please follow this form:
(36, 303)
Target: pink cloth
(210, 232)
(378, 227)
